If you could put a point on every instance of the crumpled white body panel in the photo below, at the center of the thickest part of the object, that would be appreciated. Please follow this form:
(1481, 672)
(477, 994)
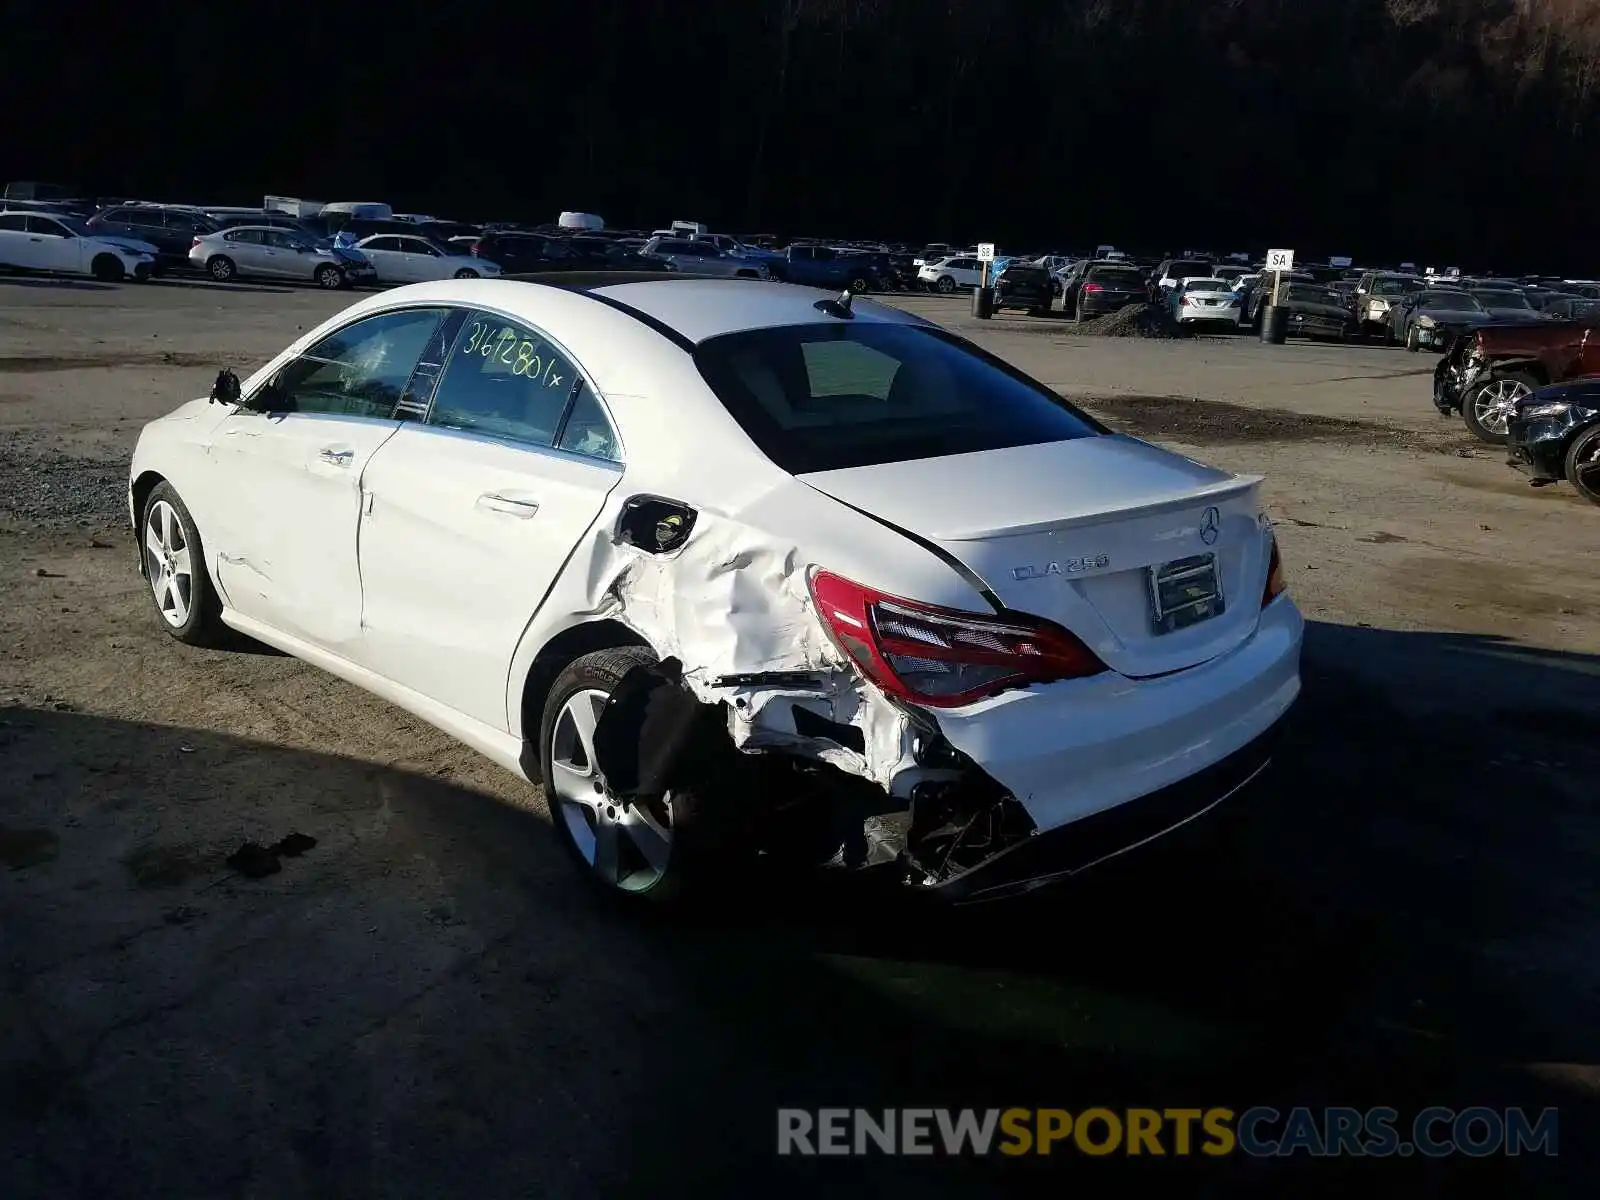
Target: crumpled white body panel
(732, 602)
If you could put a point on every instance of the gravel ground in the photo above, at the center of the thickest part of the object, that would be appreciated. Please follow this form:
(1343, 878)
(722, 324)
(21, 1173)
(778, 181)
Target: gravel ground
(43, 489)
(1406, 916)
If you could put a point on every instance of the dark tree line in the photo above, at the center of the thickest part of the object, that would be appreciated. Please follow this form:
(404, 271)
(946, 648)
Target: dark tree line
(1437, 129)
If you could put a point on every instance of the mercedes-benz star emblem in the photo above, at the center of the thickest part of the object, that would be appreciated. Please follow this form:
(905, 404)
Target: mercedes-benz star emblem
(1210, 526)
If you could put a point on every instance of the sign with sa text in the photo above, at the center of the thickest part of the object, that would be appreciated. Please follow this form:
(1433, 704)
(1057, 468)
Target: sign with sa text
(1280, 260)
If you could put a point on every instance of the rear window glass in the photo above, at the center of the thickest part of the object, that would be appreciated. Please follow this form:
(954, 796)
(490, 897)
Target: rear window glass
(826, 397)
(1189, 266)
(1016, 274)
(1117, 277)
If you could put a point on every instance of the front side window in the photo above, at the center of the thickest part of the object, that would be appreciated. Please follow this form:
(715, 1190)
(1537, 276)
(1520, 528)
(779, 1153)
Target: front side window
(829, 396)
(46, 227)
(504, 380)
(358, 371)
(418, 246)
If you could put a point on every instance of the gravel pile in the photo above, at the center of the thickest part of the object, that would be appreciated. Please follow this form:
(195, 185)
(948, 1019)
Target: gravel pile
(46, 490)
(1136, 320)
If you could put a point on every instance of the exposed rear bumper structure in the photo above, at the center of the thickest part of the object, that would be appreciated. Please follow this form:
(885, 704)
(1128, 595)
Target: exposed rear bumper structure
(1045, 858)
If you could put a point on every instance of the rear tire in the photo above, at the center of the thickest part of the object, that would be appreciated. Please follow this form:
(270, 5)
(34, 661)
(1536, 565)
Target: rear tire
(656, 853)
(107, 268)
(1583, 465)
(220, 267)
(859, 286)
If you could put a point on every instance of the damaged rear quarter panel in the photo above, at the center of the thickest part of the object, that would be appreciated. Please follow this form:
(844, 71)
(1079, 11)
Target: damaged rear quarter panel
(734, 601)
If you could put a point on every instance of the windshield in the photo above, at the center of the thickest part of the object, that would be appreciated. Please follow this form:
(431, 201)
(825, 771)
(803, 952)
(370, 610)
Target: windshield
(1459, 301)
(1495, 299)
(828, 396)
(1206, 285)
(79, 227)
(1393, 287)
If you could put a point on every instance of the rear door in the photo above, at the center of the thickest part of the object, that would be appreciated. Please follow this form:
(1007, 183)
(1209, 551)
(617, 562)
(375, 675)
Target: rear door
(383, 253)
(287, 481)
(419, 261)
(474, 512)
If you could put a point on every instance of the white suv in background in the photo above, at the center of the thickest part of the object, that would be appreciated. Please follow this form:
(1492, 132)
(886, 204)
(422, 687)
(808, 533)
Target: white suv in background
(948, 274)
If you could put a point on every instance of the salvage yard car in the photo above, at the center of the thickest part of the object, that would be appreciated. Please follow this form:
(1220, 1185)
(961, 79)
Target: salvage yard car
(1486, 371)
(916, 592)
(1022, 284)
(270, 252)
(39, 241)
(1554, 434)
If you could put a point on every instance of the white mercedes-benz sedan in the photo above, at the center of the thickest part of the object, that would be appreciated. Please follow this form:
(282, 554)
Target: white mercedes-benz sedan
(740, 572)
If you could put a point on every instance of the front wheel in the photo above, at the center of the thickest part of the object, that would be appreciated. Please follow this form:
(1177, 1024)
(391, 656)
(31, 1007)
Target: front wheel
(945, 285)
(858, 286)
(1487, 411)
(107, 268)
(330, 277)
(654, 850)
(1583, 465)
(175, 568)
(466, 273)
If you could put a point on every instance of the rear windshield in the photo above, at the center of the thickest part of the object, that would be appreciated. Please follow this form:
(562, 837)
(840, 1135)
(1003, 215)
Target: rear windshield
(1124, 277)
(1450, 300)
(1189, 266)
(828, 396)
(1491, 298)
(1030, 274)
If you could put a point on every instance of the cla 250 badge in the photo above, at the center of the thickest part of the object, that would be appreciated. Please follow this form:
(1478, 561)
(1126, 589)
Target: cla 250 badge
(1067, 566)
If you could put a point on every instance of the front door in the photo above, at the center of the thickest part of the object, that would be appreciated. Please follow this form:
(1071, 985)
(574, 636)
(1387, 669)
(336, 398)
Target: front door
(288, 477)
(474, 512)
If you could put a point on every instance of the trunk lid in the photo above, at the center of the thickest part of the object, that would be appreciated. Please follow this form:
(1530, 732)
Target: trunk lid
(1070, 531)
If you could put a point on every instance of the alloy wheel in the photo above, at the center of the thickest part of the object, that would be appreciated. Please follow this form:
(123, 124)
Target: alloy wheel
(1495, 402)
(168, 565)
(628, 844)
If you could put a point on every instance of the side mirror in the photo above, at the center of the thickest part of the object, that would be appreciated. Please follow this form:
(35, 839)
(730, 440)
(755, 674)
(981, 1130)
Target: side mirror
(226, 389)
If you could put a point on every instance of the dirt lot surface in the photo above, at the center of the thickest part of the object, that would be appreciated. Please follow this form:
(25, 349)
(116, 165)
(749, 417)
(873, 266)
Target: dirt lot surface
(426, 1004)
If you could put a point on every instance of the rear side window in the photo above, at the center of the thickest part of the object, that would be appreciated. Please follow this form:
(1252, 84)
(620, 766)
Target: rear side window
(504, 380)
(825, 397)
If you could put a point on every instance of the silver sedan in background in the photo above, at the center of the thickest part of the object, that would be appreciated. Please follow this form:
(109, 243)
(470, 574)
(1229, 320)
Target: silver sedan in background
(268, 251)
(702, 258)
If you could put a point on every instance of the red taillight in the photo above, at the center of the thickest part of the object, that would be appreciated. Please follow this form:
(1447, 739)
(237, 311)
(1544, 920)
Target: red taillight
(1182, 300)
(1276, 583)
(943, 657)
(1093, 287)
(194, 243)
(477, 250)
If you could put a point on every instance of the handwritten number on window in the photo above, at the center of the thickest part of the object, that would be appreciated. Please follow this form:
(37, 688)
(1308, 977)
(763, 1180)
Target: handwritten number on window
(521, 356)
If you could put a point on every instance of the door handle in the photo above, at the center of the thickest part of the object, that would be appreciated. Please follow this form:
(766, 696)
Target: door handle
(495, 502)
(337, 458)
